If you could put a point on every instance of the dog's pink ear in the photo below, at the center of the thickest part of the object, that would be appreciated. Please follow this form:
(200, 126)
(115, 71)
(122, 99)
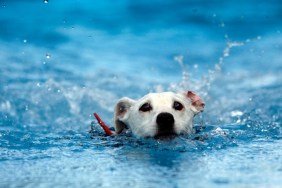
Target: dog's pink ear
(197, 103)
(121, 113)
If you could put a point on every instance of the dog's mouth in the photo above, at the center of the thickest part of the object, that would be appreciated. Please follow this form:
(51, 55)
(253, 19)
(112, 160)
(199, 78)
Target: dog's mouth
(167, 135)
(166, 132)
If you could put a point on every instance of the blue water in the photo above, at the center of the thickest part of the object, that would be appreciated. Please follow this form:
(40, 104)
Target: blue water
(62, 60)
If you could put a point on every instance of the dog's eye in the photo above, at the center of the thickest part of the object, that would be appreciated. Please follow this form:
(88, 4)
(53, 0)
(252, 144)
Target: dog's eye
(145, 107)
(177, 106)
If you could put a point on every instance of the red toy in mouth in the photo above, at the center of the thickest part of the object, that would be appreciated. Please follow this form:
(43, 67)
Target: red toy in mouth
(103, 125)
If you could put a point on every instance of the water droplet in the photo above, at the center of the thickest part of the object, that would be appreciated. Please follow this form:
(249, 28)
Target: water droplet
(45, 1)
(236, 113)
(38, 84)
(43, 62)
(222, 24)
(48, 56)
(24, 41)
(258, 37)
(217, 67)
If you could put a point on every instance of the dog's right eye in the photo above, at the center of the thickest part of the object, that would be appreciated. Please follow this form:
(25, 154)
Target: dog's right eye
(145, 107)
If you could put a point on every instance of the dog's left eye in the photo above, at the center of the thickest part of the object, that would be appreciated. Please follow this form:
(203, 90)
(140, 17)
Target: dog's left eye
(177, 106)
(145, 107)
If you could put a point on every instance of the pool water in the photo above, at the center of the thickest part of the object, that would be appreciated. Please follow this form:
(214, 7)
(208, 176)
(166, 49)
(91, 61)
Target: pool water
(61, 61)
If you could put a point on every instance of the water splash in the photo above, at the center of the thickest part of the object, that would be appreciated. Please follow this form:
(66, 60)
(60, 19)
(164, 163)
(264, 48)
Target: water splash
(245, 110)
(205, 138)
(203, 85)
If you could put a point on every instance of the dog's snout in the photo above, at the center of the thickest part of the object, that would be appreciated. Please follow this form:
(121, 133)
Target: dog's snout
(165, 121)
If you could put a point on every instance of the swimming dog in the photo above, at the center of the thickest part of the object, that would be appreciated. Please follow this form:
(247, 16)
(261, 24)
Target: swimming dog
(158, 114)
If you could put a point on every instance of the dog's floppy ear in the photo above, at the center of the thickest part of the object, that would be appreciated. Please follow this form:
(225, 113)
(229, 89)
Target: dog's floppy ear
(121, 113)
(197, 103)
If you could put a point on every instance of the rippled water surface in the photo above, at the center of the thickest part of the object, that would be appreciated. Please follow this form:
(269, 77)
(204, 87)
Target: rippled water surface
(62, 60)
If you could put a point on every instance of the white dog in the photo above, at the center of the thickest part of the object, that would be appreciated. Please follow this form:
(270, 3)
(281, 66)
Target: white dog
(158, 114)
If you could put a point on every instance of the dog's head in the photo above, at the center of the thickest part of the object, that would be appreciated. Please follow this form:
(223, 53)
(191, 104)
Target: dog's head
(158, 114)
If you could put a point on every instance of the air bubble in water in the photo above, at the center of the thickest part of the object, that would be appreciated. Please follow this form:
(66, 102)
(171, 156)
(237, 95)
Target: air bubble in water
(45, 1)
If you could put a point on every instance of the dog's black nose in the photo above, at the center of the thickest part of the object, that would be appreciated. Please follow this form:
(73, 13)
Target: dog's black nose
(165, 122)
